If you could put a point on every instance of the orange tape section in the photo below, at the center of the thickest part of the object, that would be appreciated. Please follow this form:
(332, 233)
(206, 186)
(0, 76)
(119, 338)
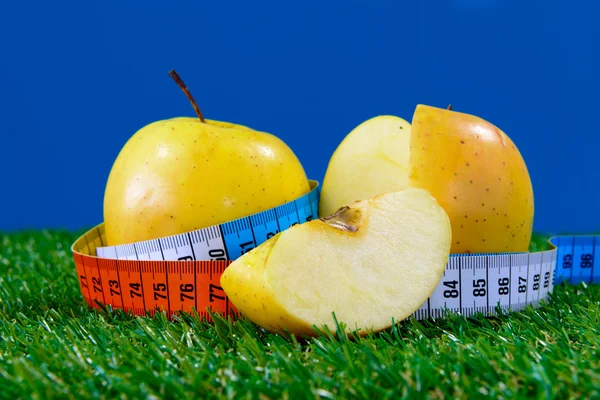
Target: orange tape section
(145, 287)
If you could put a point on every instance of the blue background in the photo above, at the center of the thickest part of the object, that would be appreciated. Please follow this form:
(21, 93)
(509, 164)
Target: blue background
(78, 78)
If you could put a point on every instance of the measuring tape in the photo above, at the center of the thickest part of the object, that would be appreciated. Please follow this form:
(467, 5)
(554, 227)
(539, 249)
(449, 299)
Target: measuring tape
(181, 273)
(488, 282)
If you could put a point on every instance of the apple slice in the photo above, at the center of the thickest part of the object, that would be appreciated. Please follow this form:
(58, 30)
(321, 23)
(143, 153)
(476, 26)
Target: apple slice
(372, 159)
(378, 259)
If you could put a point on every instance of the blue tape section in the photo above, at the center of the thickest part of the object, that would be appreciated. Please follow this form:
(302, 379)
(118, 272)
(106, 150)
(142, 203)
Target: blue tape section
(596, 266)
(575, 259)
(244, 234)
(286, 215)
(238, 237)
(314, 202)
(583, 259)
(265, 225)
(304, 209)
(564, 258)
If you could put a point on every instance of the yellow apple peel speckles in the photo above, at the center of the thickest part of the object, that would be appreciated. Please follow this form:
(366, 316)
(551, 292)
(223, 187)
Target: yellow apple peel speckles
(181, 174)
(478, 175)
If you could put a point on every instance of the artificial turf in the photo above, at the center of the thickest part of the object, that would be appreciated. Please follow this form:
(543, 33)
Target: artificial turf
(53, 346)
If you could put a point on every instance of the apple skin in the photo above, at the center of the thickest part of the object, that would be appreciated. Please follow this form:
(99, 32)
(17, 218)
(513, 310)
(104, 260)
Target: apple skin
(177, 175)
(478, 175)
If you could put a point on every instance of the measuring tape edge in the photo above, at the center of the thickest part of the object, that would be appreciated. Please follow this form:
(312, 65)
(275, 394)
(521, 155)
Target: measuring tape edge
(83, 240)
(97, 231)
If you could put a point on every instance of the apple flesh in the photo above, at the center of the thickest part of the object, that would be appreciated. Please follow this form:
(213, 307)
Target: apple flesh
(371, 160)
(370, 263)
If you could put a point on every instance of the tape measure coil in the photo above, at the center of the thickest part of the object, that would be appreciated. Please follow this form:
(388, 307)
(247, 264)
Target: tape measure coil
(182, 272)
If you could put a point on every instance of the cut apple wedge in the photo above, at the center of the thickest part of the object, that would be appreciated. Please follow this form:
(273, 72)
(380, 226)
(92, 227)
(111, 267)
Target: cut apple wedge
(371, 263)
(372, 159)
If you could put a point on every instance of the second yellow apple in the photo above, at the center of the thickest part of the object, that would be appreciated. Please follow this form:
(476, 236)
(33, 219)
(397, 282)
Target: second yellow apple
(470, 166)
(182, 174)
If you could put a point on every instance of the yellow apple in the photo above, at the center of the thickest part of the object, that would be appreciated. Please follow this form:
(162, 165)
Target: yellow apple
(372, 262)
(371, 160)
(470, 166)
(182, 174)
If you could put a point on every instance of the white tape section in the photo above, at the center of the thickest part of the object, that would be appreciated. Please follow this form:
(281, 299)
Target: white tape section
(486, 283)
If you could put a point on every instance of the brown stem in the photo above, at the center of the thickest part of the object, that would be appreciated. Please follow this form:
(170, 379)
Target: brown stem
(450, 107)
(173, 74)
(345, 219)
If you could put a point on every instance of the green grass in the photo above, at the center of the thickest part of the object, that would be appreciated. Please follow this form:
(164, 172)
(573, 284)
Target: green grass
(52, 345)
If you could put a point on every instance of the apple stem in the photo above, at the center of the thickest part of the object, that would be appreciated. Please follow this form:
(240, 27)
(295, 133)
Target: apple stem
(345, 219)
(173, 74)
(450, 107)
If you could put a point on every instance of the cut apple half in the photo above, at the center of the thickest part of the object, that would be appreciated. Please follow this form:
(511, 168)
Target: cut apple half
(371, 263)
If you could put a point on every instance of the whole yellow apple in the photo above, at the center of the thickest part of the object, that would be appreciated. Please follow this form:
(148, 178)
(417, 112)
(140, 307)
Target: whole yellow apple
(182, 174)
(471, 167)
